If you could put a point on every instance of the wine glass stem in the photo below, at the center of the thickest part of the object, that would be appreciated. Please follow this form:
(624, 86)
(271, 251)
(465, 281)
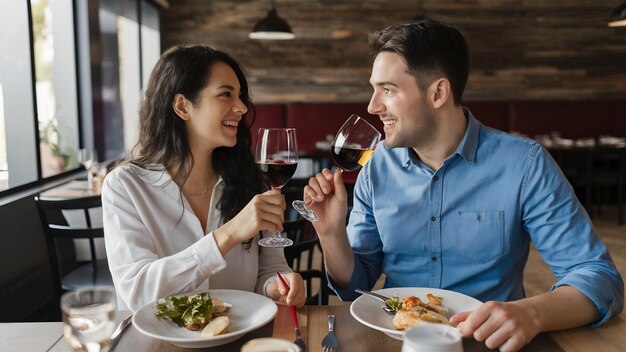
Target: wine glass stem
(276, 234)
(89, 179)
(93, 347)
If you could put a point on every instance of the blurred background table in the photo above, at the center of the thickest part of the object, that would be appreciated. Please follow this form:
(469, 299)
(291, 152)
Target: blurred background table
(597, 174)
(70, 190)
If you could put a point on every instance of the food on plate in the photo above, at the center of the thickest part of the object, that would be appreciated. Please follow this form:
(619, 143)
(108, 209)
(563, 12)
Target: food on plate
(216, 326)
(411, 311)
(195, 312)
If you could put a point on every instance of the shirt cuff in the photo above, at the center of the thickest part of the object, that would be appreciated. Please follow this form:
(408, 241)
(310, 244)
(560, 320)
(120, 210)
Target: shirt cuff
(267, 282)
(208, 255)
(608, 302)
(356, 281)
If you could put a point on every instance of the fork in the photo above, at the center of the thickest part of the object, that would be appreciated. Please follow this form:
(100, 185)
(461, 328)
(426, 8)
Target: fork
(381, 297)
(329, 343)
(298, 341)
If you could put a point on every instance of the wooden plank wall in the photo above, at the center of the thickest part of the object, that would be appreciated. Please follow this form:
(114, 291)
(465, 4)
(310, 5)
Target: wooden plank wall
(519, 49)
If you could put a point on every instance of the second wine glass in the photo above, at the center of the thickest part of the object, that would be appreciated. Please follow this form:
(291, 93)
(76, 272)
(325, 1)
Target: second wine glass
(86, 157)
(351, 149)
(277, 157)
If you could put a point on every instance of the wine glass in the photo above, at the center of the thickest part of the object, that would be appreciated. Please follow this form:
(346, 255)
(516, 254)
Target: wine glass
(277, 157)
(86, 157)
(89, 318)
(352, 148)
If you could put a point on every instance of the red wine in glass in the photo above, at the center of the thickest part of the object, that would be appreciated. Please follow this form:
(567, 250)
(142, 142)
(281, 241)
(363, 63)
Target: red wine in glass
(279, 172)
(350, 159)
(352, 148)
(277, 156)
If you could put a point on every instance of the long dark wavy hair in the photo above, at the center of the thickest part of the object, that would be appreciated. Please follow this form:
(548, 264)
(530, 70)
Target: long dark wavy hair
(186, 69)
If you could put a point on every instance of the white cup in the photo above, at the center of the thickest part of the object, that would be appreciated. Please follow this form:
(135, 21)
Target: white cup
(428, 337)
(269, 344)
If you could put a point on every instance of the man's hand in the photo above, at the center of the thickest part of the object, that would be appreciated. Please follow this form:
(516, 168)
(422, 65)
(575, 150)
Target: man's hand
(506, 326)
(511, 325)
(326, 195)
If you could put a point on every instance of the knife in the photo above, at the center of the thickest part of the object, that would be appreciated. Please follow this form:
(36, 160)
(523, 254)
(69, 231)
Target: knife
(117, 334)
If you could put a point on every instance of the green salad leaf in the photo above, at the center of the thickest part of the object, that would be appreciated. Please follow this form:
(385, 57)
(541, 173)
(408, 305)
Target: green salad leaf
(394, 303)
(191, 312)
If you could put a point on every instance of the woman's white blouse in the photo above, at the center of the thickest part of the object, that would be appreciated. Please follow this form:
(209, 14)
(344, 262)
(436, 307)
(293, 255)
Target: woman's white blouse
(156, 249)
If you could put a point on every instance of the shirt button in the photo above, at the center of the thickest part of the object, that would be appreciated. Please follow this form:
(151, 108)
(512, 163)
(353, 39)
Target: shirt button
(436, 178)
(433, 218)
(434, 258)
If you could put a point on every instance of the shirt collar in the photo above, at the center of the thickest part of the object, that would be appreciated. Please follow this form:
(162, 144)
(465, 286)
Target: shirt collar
(153, 174)
(469, 144)
(466, 149)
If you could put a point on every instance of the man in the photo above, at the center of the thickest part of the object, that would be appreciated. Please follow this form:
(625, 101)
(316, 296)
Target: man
(446, 202)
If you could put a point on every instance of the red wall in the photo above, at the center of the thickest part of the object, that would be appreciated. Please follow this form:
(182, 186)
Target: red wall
(572, 119)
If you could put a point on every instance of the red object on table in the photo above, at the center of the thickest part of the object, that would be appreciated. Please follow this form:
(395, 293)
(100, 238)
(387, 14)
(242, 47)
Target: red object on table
(292, 309)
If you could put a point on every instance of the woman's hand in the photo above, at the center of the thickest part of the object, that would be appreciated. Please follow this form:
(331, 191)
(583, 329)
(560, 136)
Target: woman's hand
(265, 211)
(294, 295)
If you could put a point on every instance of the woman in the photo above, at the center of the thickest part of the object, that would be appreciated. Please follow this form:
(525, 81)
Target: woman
(185, 212)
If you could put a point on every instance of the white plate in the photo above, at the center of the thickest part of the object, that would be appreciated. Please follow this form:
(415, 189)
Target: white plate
(367, 310)
(249, 311)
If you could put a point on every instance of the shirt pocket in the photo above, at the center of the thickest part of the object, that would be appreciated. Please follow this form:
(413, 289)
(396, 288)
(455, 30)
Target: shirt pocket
(479, 235)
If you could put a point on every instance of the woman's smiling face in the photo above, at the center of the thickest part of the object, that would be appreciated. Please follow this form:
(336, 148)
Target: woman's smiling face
(214, 117)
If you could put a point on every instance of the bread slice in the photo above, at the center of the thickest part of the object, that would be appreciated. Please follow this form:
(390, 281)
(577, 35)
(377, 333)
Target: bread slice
(216, 326)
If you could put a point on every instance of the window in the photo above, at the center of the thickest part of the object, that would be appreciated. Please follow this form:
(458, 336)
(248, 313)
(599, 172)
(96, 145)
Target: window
(55, 85)
(4, 167)
(48, 66)
(18, 150)
(128, 50)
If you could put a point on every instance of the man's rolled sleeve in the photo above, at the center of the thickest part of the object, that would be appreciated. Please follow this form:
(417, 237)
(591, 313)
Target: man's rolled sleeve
(604, 288)
(358, 279)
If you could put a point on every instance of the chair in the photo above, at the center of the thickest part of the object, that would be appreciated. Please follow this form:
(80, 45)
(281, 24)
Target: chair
(305, 240)
(609, 168)
(576, 165)
(293, 191)
(94, 273)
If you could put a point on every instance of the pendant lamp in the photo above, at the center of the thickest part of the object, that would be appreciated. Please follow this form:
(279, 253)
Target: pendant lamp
(618, 18)
(272, 27)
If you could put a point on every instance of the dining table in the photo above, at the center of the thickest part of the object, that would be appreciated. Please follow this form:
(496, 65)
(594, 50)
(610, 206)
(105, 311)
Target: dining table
(351, 335)
(70, 190)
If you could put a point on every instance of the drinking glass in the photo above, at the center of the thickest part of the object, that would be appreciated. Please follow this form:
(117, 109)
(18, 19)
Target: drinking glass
(87, 157)
(277, 157)
(351, 149)
(269, 344)
(429, 337)
(89, 318)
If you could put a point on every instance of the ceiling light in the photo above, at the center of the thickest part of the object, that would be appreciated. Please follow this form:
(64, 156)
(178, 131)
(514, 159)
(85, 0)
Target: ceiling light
(272, 27)
(618, 18)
